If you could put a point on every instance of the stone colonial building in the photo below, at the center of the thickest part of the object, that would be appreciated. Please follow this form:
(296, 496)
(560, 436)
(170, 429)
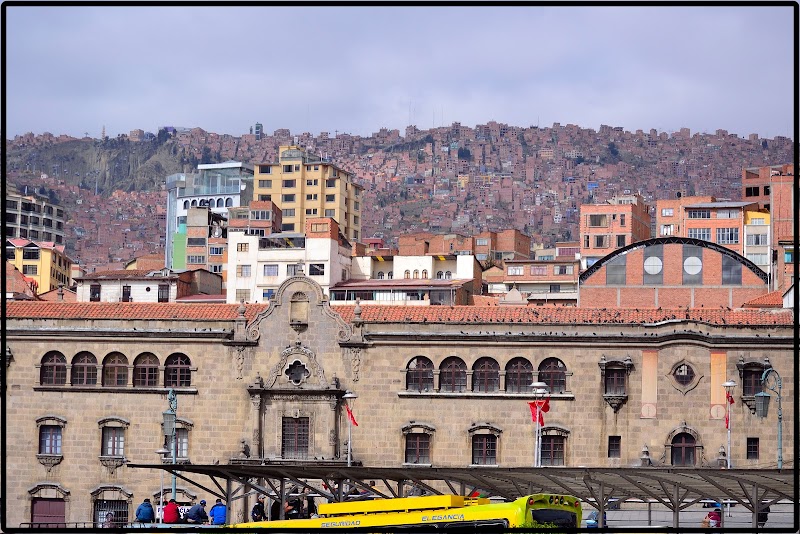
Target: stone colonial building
(446, 386)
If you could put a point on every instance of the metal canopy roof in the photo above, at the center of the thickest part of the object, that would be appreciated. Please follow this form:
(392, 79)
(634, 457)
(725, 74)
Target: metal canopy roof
(675, 488)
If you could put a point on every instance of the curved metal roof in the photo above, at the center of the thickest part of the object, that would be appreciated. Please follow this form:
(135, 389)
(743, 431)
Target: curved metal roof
(671, 241)
(675, 488)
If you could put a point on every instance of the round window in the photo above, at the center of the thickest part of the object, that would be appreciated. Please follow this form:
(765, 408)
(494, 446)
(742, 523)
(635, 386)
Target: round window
(684, 374)
(652, 265)
(692, 265)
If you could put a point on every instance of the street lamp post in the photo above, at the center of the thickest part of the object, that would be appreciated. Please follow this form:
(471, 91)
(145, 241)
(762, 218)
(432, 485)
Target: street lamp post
(162, 452)
(762, 404)
(170, 417)
(539, 391)
(729, 386)
(347, 396)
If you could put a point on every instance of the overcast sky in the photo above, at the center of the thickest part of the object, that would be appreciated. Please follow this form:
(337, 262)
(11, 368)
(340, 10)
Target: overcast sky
(356, 69)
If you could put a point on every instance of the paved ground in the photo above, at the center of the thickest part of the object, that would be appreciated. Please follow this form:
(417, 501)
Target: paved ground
(781, 516)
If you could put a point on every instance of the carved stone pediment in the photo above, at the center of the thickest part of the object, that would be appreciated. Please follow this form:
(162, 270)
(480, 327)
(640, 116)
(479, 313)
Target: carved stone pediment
(49, 460)
(615, 401)
(112, 462)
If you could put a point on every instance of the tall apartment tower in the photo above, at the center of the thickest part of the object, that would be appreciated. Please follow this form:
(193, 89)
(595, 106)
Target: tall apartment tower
(607, 227)
(304, 185)
(259, 131)
(32, 216)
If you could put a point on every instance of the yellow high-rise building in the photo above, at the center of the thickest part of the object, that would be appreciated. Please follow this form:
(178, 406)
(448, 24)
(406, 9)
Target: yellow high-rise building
(44, 262)
(304, 185)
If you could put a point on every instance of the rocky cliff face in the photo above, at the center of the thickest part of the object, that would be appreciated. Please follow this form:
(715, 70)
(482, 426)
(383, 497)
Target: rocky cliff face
(108, 165)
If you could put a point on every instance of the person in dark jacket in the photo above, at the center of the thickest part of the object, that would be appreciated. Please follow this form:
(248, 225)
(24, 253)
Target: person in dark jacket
(171, 513)
(197, 513)
(217, 513)
(145, 512)
(763, 515)
(258, 513)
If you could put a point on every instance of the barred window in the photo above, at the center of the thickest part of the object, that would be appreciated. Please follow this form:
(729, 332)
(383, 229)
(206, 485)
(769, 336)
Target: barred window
(519, 376)
(145, 371)
(486, 375)
(84, 369)
(418, 448)
(419, 374)
(484, 449)
(614, 446)
(113, 441)
(115, 370)
(53, 371)
(49, 439)
(177, 372)
(553, 450)
(615, 381)
(294, 438)
(453, 375)
(553, 372)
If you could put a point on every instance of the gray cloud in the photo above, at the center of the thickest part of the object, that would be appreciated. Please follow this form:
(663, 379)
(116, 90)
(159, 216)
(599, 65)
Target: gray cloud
(357, 69)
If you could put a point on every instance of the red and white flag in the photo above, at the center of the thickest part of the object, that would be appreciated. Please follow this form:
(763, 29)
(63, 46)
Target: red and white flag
(538, 407)
(350, 415)
(729, 398)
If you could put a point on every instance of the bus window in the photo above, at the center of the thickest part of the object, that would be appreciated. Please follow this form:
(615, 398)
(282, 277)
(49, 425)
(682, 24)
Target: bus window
(559, 517)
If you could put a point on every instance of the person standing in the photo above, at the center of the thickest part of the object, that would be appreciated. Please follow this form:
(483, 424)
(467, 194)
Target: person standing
(109, 522)
(197, 513)
(145, 512)
(218, 513)
(258, 513)
(171, 513)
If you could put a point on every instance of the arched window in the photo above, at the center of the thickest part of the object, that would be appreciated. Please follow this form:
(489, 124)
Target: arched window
(519, 376)
(484, 449)
(220, 203)
(84, 369)
(389, 275)
(407, 274)
(145, 370)
(553, 372)
(380, 275)
(186, 204)
(419, 374)
(439, 275)
(683, 450)
(486, 375)
(115, 370)
(194, 203)
(448, 275)
(54, 369)
(453, 375)
(416, 273)
(425, 273)
(177, 372)
(228, 202)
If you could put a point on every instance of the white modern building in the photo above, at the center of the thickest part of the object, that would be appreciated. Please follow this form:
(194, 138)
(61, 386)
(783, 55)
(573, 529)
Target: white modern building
(258, 265)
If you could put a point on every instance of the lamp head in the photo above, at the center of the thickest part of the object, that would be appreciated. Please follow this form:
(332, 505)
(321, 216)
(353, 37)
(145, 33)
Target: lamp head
(729, 386)
(163, 452)
(349, 395)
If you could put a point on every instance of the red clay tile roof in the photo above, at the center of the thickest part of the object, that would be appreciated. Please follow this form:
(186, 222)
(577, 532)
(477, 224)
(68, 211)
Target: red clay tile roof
(485, 300)
(52, 296)
(562, 315)
(16, 282)
(402, 314)
(770, 300)
(130, 311)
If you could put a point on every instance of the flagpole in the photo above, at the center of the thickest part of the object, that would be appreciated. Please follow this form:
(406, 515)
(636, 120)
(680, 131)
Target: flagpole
(539, 390)
(729, 386)
(349, 395)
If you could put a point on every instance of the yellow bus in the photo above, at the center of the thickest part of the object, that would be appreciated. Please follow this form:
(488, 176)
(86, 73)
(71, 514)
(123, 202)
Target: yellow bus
(438, 511)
